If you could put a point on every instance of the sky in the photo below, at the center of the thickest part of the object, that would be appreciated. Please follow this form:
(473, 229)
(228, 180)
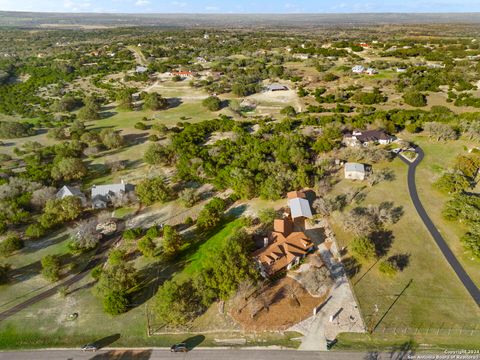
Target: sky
(241, 6)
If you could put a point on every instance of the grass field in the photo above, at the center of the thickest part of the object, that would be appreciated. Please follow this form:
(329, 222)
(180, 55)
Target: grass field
(435, 298)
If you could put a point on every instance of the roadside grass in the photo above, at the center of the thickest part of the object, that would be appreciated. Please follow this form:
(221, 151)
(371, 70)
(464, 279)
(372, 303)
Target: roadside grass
(435, 296)
(397, 342)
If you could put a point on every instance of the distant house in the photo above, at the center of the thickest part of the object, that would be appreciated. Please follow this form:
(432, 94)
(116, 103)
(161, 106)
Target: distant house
(367, 137)
(276, 87)
(401, 69)
(283, 248)
(141, 69)
(299, 205)
(358, 69)
(102, 195)
(301, 56)
(182, 74)
(371, 71)
(200, 59)
(364, 45)
(71, 191)
(354, 171)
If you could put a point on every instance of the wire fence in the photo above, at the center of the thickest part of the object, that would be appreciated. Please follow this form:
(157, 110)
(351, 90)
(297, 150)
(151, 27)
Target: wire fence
(475, 332)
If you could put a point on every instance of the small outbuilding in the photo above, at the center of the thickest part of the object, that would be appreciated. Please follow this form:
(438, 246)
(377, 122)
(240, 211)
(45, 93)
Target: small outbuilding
(276, 87)
(354, 171)
(299, 205)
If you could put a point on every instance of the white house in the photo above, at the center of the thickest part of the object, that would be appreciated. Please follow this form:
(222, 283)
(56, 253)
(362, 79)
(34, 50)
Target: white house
(358, 69)
(102, 195)
(371, 71)
(141, 69)
(71, 191)
(354, 171)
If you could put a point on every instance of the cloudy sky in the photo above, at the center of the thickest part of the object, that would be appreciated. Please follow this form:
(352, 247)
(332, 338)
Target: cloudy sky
(242, 6)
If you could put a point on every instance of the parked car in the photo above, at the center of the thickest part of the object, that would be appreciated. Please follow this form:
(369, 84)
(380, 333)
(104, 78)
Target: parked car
(90, 347)
(182, 347)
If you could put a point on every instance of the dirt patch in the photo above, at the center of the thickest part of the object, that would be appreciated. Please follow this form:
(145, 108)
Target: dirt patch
(283, 309)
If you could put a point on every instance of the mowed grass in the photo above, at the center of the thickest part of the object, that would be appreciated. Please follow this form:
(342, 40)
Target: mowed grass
(196, 260)
(435, 298)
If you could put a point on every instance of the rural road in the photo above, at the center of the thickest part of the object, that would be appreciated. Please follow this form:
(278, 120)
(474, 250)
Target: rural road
(75, 278)
(197, 354)
(441, 243)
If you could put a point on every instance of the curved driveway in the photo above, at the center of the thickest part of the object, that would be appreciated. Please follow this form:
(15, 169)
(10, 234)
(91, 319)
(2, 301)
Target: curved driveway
(447, 253)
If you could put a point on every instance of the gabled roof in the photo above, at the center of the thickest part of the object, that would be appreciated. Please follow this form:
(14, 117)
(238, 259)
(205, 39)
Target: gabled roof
(105, 190)
(296, 194)
(68, 191)
(276, 86)
(299, 208)
(370, 135)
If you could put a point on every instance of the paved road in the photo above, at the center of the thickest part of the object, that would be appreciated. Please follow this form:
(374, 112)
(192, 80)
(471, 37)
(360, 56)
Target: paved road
(98, 257)
(452, 260)
(197, 354)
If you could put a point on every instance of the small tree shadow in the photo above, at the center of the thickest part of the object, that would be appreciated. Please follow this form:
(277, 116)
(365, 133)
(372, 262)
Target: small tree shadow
(194, 341)
(352, 266)
(106, 341)
(124, 355)
(401, 260)
(383, 240)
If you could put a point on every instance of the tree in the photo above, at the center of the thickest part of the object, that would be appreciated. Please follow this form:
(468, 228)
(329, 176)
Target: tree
(172, 241)
(452, 183)
(177, 303)
(189, 197)
(11, 244)
(158, 154)
(13, 129)
(440, 131)
(41, 196)
(35, 231)
(85, 236)
(4, 270)
(378, 176)
(91, 110)
(69, 168)
(212, 103)
(330, 139)
(155, 101)
(147, 247)
(414, 98)
(115, 302)
(58, 211)
(51, 267)
(124, 99)
(363, 248)
(471, 240)
(267, 216)
(211, 214)
(111, 139)
(152, 190)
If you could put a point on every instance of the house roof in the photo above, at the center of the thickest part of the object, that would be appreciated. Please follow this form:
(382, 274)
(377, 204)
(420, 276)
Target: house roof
(296, 194)
(105, 190)
(299, 208)
(283, 250)
(354, 167)
(276, 86)
(284, 226)
(69, 191)
(141, 69)
(369, 135)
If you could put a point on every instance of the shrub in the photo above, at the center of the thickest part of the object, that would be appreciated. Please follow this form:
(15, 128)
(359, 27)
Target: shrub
(147, 247)
(11, 244)
(4, 269)
(212, 103)
(35, 231)
(388, 268)
(96, 272)
(115, 302)
(132, 234)
(189, 197)
(153, 232)
(152, 190)
(363, 248)
(51, 267)
(140, 126)
(414, 98)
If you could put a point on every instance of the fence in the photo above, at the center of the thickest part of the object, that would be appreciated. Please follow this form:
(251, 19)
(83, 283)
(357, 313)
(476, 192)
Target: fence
(429, 331)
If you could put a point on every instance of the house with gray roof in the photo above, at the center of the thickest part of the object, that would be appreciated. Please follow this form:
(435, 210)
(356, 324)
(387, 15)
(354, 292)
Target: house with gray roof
(71, 191)
(102, 195)
(276, 87)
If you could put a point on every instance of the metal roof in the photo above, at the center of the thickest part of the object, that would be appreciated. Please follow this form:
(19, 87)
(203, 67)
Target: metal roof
(299, 208)
(104, 190)
(355, 167)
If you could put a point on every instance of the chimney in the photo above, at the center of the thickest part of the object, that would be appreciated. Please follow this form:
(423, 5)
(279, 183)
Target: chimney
(265, 241)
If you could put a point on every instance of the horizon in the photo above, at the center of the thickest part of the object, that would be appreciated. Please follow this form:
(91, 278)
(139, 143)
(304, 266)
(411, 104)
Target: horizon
(267, 7)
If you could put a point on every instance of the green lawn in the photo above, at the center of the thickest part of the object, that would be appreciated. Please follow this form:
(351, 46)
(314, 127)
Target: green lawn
(195, 260)
(435, 298)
